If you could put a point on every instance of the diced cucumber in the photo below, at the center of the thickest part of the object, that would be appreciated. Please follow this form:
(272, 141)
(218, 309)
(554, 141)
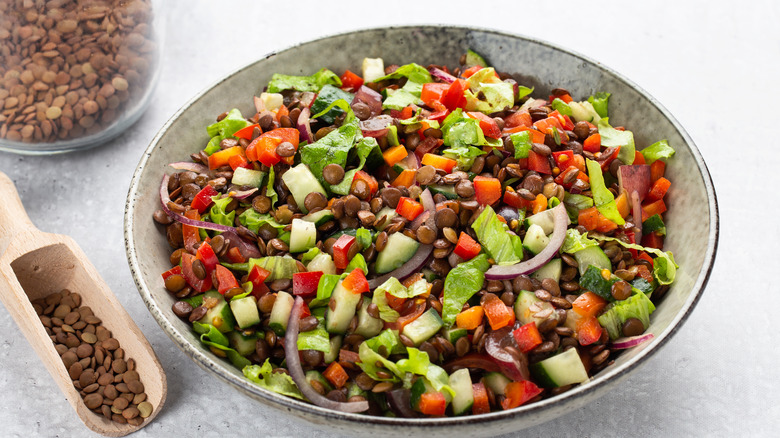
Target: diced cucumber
(460, 382)
(424, 327)
(447, 191)
(368, 326)
(335, 346)
(280, 312)
(523, 313)
(389, 214)
(278, 266)
(341, 309)
(316, 376)
(560, 370)
(454, 333)
(303, 235)
(473, 58)
(398, 250)
(496, 382)
(247, 177)
(373, 69)
(544, 219)
(300, 181)
(272, 101)
(584, 111)
(322, 262)
(535, 239)
(550, 270)
(220, 316)
(592, 255)
(245, 311)
(318, 217)
(244, 345)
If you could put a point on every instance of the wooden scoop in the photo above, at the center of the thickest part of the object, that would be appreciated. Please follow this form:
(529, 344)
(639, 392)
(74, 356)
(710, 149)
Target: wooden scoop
(34, 264)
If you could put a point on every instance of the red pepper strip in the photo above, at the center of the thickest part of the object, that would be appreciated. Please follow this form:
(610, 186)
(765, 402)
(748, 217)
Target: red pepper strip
(176, 270)
(350, 81)
(341, 250)
(454, 97)
(190, 234)
(234, 255)
(400, 323)
(195, 283)
(305, 283)
(433, 92)
(246, 133)
(373, 185)
(487, 124)
(518, 393)
(527, 337)
(467, 248)
(206, 255)
(203, 200)
(225, 279)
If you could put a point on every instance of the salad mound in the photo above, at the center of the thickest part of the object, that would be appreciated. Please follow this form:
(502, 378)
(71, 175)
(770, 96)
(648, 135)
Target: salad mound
(418, 241)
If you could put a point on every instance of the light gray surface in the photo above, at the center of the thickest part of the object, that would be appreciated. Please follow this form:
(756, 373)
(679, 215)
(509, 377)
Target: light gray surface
(709, 64)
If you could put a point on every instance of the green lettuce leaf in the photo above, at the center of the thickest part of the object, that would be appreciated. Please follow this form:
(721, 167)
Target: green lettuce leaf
(309, 255)
(600, 102)
(487, 93)
(218, 214)
(419, 363)
(317, 339)
(280, 383)
(664, 266)
(576, 242)
(366, 150)
(363, 237)
(254, 220)
(212, 337)
(325, 288)
(611, 137)
(413, 72)
(400, 99)
(333, 148)
(389, 340)
(464, 155)
(357, 262)
(656, 151)
(561, 106)
(416, 75)
(523, 91)
(492, 234)
(602, 197)
(368, 360)
(522, 143)
(269, 189)
(386, 313)
(461, 284)
(225, 128)
(325, 98)
(313, 83)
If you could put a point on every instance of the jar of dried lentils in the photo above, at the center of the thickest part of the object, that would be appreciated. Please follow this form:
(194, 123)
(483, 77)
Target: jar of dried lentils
(75, 73)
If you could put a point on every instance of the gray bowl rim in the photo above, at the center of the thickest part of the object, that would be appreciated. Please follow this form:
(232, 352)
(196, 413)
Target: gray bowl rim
(290, 404)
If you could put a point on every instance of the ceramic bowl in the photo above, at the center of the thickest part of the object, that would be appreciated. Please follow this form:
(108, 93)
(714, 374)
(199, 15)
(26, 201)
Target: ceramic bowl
(692, 218)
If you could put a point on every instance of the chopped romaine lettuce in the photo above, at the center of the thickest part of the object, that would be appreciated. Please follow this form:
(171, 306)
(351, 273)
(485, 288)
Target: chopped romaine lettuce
(212, 337)
(522, 143)
(386, 313)
(492, 234)
(602, 197)
(561, 106)
(333, 148)
(363, 237)
(357, 262)
(280, 383)
(413, 72)
(217, 213)
(487, 93)
(576, 242)
(600, 102)
(254, 220)
(462, 282)
(420, 363)
(464, 155)
(225, 128)
(325, 98)
(389, 340)
(664, 267)
(368, 363)
(416, 75)
(636, 306)
(611, 137)
(313, 83)
(523, 91)
(657, 151)
(316, 339)
(325, 289)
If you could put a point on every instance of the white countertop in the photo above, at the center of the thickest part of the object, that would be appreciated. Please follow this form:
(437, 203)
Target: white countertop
(710, 63)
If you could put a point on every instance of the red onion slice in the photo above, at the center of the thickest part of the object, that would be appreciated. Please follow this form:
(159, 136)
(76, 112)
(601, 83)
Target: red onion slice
(472, 360)
(426, 199)
(400, 401)
(418, 260)
(247, 249)
(304, 126)
(259, 104)
(370, 98)
(623, 343)
(376, 126)
(561, 221)
(243, 194)
(635, 178)
(296, 371)
(307, 98)
(419, 220)
(502, 347)
(636, 207)
(165, 199)
(189, 165)
(442, 75)
(411, 161)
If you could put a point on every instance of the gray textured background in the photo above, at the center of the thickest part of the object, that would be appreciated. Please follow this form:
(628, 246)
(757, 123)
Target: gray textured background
(709, 63)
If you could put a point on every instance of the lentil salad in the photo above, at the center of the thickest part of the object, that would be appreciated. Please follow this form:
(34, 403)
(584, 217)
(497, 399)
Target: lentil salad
(428, 242)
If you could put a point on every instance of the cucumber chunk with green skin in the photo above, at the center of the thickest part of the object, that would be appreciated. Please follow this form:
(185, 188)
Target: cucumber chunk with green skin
(367, 326)
(535, 239)
(398, 250)
(300, 181)
(335, 346)
(551, 269)
(244, 345)
(245, 311)
(316, 376)
(220, 316)
(544, 219)
(496, 382)
(453, 333)
(319, 217)
(460, 382)
(341, 309)
(389, 214)
(280, 313)
(560, 370)
(592, 256)
(303, 235)
(322, 262)
(524, 314)
(473, 58)
(247, 177)
(424, 327)
(447, 191)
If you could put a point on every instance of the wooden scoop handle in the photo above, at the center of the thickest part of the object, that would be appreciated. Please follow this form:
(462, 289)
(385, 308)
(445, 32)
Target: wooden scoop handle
(13, 217)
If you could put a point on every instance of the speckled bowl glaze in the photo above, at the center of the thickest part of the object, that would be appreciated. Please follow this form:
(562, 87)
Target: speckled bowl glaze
(692, 218)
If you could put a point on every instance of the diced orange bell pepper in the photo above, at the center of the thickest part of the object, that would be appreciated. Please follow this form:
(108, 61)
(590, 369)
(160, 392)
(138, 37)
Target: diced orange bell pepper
(433, 92)
(373, 185)
(658, 190)
(588, 330)
(588, 218)
(470, 318)
(481, 402)
(499, 315)
(409, 208)
(237, 161)
(622, 204)
(487, 189)
(433, 404)
(655, 207)
(335, 373)
(356, 282)
(517, 393)
(221, 158)
(439, 162)
(406, 178)
(657, 170)
(539, 204)
(592, 143)
(588, 304)
(520, 118)
(395, 154)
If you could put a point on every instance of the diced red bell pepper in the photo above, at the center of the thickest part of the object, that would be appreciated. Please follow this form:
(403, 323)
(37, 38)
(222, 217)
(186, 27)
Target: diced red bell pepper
(606, 162)
(202, 200)
(305, 283)
(350, 81)
(356, 282)
(658, 190)
(487, 189)
(467, 248)
(487, 124)
(190, 234)
(429, 144)
(513, 199)
(527, 337)
(631, 236)
(638, 158)
(657, 170)
(433, 91)
(335, 373)
(538, 163)
(439, 162)
(520, 118)
(454, 98)
(246, 133)
(653, 208)
(237, 161)
(234, 255)
(341, 250)
(592, 143)
(644, 256)
(588, 330)
(373, 185)
(481, 402)
(207, 256)
(409, 208)
(440, 111)
(176, 270)
(564, 159)
(469, 72)
(518, 393)
(653, 240)
(263, 148)
(564, 120)
(433, 404)
(193, 281)
(400, 323)
(499, 315)
(221, 158)
(225, 279)
(588, 304)
(257, 276)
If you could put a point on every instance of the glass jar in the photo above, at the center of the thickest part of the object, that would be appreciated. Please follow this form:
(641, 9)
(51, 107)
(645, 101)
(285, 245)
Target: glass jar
(75, 73)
